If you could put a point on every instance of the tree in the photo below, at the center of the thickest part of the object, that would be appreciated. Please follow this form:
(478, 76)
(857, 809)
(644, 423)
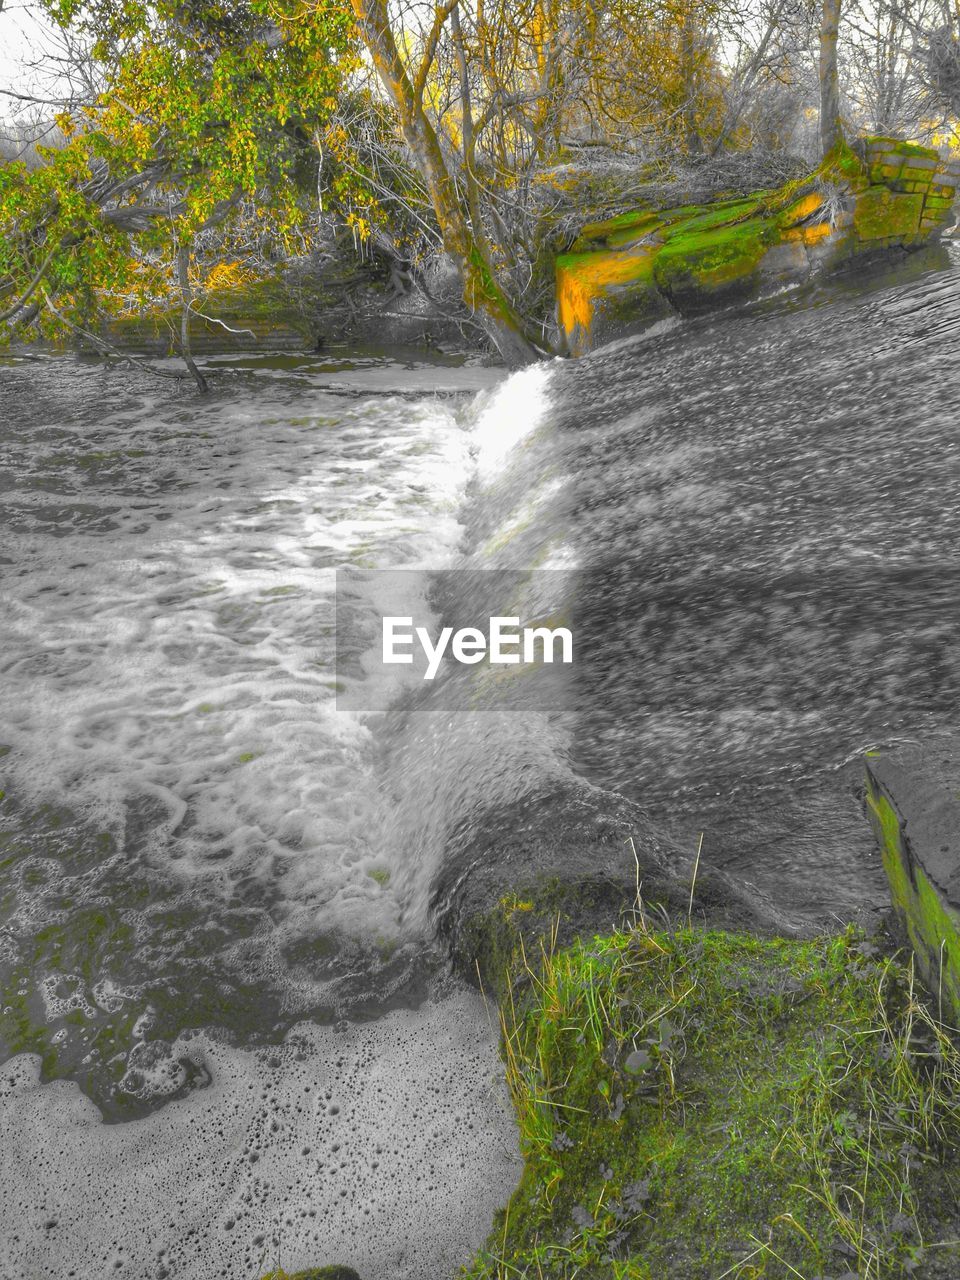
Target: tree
(884, 56)
(831, 125)
(459, 219)
(938, 57)
(199, 108)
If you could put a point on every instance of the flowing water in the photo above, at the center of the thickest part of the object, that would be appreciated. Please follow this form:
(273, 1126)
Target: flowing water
(758, 519)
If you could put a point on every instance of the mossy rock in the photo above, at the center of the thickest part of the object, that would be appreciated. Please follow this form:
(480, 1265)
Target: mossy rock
(912, 799)
(881, 214)
(881, 142)
(630, 271)
(603, 295)
(699, 269)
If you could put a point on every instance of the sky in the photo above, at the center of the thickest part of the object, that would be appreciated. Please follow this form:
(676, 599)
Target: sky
(21, 37)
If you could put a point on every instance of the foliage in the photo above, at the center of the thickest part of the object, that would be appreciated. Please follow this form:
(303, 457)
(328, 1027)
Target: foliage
(203, 109)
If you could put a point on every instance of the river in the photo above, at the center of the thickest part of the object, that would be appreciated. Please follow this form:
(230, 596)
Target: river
(215, 883)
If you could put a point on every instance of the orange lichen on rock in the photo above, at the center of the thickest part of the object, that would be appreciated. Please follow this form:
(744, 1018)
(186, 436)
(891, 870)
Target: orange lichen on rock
(803, 209)
(811, 233)
(585, 279)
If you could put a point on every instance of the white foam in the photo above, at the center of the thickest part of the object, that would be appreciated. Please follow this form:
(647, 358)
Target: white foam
(386, 1146)
(170, 663)
(508, 415)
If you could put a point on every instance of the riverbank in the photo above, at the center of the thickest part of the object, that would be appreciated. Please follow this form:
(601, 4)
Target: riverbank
(694, 1103)
(621, 251)
(697, 1102)
(314, 303)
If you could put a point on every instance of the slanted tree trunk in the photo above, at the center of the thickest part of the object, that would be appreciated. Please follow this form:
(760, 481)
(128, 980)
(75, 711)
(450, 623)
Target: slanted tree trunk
(463, 244)
(186, 298)
(831, 128)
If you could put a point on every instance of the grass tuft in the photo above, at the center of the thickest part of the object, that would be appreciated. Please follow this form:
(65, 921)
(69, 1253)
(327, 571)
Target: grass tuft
(708, 1105)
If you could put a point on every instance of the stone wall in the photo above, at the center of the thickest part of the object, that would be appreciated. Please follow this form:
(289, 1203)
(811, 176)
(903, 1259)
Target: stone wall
(622, 275)
(913, 797)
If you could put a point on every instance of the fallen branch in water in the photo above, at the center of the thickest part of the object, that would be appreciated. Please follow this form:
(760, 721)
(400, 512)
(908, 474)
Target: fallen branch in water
(107, 348)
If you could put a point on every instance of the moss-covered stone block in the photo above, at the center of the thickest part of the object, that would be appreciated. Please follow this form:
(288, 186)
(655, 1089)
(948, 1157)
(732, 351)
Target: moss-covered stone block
(627, 272)
(913, 798)
(880, 144)
(881, 213)
(884, 172)
(698, 269)
(938, 202)
(606, 294)
(915, 171)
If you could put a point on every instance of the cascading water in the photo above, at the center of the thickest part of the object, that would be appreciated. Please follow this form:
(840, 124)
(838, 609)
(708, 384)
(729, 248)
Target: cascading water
(755, 516)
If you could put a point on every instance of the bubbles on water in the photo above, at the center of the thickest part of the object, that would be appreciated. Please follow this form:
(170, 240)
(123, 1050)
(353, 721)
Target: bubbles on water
(386, 1146)
(177, 685)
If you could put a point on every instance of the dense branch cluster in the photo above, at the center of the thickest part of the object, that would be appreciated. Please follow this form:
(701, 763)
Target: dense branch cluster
(476, 129)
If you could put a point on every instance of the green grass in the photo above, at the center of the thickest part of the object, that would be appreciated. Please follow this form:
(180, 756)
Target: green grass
(703, 1105)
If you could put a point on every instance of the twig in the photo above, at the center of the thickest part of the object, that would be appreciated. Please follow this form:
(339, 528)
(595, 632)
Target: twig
(693, 882)
(638, 900)
(223, 324)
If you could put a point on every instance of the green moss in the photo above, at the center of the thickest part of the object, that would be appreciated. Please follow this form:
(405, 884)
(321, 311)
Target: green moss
(881, 213)
(704, 1104)
(710, 262)
(923, 177)
(843, 165)
(625, 226)
(876, 142)
(646, 232)
(940, 929)
(931, 926)
(724, 214)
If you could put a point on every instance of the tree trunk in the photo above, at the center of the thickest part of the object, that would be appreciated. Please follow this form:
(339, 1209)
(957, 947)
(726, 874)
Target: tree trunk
(183, 279)
(831, 129)
(690, 69)
(481, 292)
